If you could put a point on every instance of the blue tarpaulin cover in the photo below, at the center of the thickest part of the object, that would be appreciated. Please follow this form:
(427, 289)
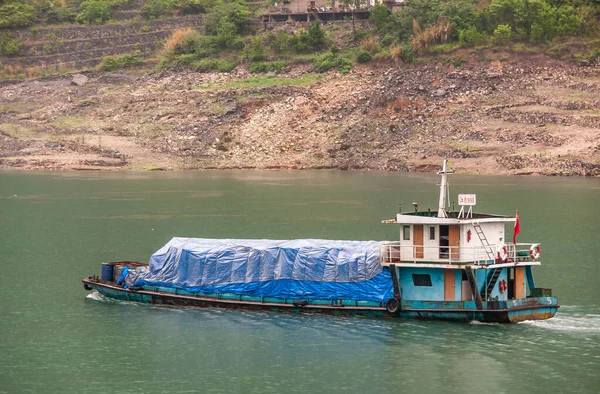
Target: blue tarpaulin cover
(304, 268)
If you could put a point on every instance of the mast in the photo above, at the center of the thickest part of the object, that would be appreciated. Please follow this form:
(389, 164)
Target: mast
(443, 190)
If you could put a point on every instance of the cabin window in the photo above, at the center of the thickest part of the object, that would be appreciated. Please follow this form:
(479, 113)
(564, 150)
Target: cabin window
(431, 232)
(406, 233)
(421, 280)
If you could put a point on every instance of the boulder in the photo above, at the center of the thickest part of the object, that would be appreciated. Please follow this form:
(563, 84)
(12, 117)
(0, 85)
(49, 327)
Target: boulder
(79, 80)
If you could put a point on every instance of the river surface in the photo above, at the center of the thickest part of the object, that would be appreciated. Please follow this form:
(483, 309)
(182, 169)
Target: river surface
(57, 338)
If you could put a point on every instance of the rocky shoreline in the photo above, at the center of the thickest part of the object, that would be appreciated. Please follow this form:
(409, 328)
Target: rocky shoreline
(528, 116)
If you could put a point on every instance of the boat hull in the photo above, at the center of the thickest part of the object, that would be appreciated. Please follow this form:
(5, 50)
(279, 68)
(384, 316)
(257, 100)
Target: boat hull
(514, 311)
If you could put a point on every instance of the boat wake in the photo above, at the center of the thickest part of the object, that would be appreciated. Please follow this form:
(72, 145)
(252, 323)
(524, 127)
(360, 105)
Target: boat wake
(570, 320)
(481, 323)
(96, 296)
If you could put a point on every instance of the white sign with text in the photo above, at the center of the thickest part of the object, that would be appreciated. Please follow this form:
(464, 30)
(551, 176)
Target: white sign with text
(467, 199)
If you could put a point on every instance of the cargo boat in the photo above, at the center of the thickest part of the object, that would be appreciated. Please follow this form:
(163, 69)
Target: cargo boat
(447, 265)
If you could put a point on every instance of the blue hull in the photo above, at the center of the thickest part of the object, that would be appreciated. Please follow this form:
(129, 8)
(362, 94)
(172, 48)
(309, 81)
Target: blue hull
(513, 311)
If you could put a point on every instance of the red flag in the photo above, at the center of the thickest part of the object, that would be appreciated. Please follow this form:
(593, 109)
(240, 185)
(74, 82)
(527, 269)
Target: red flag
(517, 228)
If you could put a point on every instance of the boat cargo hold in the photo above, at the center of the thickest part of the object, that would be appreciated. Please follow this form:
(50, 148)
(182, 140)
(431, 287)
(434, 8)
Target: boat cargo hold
(446, 265)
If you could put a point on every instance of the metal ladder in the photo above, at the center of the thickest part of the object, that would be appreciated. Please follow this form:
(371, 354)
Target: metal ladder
(490, 282)
(492, 278)
(488, 248)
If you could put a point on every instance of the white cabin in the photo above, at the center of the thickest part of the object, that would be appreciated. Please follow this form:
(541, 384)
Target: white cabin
(453, 238)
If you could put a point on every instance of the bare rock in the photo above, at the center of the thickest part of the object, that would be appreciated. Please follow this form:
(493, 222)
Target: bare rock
(439, 93)
(79, 80)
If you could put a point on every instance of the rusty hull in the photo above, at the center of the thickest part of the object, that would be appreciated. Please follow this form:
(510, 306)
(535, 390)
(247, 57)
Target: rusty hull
(512, 311)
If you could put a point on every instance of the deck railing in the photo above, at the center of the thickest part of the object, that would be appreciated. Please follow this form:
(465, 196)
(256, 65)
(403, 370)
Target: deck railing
(397, 252)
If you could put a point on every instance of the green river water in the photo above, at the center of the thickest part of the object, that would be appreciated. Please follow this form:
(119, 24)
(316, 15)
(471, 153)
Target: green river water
(57, 338)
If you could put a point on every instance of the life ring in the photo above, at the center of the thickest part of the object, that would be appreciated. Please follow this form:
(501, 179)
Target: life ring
(502, 252)
(87, 287)
(502, 286)
(393, 305)
(535, 251)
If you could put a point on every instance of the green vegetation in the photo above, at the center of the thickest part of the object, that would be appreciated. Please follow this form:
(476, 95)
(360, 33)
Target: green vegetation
(18, 131)
(265, 67)
(8, 45)
(423, 28)
(259, 82)
(333, 60)
(225, 24)
(153, 9)
(111, 63)
(69, 122)
(212, 64)
(13, 13)
(502, 35)
(22, 13)
(226, 37)
(424, 23)
(94, 12)
(195, 6)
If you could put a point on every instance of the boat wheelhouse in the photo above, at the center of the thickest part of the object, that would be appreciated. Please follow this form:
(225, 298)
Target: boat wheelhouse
(458, 265)
(446, 265)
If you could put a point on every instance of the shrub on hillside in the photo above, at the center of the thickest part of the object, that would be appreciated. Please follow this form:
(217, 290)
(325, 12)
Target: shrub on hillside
(182, 41)
(371, 45)
(279, 42)
(93, 12)
(297, 42)
(470, 37)
(207, 46)
(59, 14)
(195, 6)
(502, 35)
(569, 23)
(111, 63)
(379, 15)
(329, 61)
(387, 40)
(308, 40)
(407, 53)
(153, 9)
(364, 57)
(14, 14)
(255, 50)
(359, 34)
(228, 36)
(315, 35)
(176, 62)
(8, 45)
(396, 52)
(265, 67)
(233, 13)
(590, 18)
(221, 65)
(592, 55)
(460, 14)
(539, 20)
(227, 21)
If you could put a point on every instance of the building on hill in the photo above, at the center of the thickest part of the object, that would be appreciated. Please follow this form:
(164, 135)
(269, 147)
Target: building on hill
(306, 6)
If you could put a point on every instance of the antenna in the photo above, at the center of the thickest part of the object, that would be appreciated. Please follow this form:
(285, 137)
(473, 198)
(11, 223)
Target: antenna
(444, 192)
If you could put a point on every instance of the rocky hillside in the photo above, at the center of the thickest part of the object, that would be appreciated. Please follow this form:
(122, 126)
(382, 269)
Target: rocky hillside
(79, 47)
(526, 115)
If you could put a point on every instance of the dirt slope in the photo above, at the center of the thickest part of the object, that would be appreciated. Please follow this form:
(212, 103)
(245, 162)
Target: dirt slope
(527, 116)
